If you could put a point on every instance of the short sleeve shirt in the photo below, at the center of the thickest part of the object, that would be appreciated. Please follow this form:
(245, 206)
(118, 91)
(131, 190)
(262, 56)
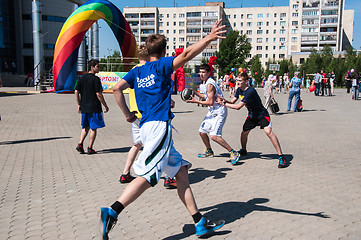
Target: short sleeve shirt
(88, 85)
(253, 102)
(296, 83)
(152, 85)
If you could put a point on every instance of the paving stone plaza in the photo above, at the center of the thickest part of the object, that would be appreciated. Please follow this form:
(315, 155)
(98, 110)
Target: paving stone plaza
(50, 191)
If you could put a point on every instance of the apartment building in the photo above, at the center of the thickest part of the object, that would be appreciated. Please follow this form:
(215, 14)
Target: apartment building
(274, 32)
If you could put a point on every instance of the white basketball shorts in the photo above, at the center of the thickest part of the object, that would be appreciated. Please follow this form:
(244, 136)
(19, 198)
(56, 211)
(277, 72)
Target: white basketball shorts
(159, 154)
(213, 123)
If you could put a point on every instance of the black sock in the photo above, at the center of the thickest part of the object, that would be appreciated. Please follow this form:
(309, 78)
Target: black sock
(197, 217)
(209, 149)
(117, 207)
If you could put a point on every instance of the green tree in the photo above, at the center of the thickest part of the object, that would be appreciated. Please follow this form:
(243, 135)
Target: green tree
(112, 63)
(256, 67)
(232, 52)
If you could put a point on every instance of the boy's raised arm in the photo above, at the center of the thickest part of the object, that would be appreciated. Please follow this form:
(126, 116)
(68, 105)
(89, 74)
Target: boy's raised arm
(193, 50)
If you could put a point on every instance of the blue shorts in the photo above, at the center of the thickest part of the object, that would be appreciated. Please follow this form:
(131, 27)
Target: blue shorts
(92, 120)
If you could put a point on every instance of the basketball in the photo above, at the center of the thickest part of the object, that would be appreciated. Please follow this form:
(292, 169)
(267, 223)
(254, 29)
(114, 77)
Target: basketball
(312, 88)
(186, 94)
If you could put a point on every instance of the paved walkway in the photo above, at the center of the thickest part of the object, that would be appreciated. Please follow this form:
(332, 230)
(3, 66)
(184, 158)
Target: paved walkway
(49, 191)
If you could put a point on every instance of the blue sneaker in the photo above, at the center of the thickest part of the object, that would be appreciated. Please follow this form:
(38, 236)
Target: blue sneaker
(282, 162)
(108, 218)
(235, 157)
(205, 226)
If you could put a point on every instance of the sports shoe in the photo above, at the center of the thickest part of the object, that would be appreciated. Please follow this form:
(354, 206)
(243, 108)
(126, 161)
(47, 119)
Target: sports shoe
(90, 151)
(80, 148)
(235, 157)
(170, 183)
(126, 178)
(242, 152)
(108, 218)
(207, 153)
(282, 162)
(205, 226)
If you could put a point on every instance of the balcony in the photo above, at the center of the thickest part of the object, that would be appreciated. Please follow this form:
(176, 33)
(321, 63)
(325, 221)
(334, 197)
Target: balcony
(307, 49)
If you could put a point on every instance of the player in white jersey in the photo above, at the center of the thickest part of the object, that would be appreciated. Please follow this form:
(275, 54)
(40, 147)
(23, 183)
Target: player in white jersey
(215, 119)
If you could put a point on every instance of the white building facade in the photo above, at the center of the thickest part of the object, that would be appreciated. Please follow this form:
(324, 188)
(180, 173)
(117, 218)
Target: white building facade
(274, 32)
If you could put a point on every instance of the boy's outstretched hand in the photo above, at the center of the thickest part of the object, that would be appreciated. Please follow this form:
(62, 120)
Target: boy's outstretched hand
(217, 31)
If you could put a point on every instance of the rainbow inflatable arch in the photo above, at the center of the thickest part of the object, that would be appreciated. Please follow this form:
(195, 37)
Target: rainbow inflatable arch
(72, 34)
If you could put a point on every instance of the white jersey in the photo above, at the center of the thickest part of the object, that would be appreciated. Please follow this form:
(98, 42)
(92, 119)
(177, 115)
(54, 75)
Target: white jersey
(216, 108)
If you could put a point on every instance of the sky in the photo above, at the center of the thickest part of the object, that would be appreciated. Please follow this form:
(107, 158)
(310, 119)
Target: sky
(108, 43)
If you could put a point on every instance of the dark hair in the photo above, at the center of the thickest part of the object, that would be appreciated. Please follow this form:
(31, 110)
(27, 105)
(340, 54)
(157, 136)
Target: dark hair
(243, 75)
(206, 67)
(92, 63)
(156, 44)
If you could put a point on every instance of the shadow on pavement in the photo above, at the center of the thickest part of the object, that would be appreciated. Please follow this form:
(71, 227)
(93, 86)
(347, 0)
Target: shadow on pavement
(32, 140)
(289, 157)
(114, 150)
(232, 211)
(182, 112)
(199, 174)
(10, 94)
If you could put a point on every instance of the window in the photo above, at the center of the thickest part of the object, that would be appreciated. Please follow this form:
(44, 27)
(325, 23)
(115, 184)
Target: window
(174, 15)
(174, 40)
(266, 40)
(283, 15)
(259, 40)
(249, 24)
(249, 32)
(282, 56)
(193, 14)
(275, 15)
(168, 15)
(283, 23)
(274, 55)
(266, 56)
(181, 24)
(267, 15)
(274, 23)
(259, 47)
(259, 31)
(228, 16)
(294, 39)
(181, 15)
(174, 31)
(167, 23)
(282, 48)
(174, 23)
(295, 14)
(274, 31)
(210, 14)
(295, 6)
(160, 16)
(249, 40)
(266, 47)
(161, 31)
(234, 24)
(167, 31)
(282, 39)
(181, 31)
(241, 24)
(249, 56)
(282, 31)
(234, 16)
(160, 24)
(267, 24)
(274, 40)
(241, 16)
(260, 15)
(259, 24)
(267, 31)
(310, 13)
(249, 16)
(274, 47)
(294, 30)
(329, 12)
(241, 31)
(294, 23)
(259, 55)
(181, 39)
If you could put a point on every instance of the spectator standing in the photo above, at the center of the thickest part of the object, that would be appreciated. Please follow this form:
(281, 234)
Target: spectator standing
(348, 81)
(268, 93)
(295, 86)
(332, 82)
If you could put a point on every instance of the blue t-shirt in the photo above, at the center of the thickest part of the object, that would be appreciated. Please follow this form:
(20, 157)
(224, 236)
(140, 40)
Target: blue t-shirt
(253, 102)
(152, 84)
(296, 83)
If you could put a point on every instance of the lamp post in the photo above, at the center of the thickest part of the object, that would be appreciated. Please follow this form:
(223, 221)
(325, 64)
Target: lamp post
(108, 58)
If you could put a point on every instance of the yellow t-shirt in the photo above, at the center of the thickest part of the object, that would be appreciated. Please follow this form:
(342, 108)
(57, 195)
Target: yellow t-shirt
(132, 100)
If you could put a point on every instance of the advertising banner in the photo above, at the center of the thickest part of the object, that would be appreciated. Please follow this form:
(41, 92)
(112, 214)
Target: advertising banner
(109, 79)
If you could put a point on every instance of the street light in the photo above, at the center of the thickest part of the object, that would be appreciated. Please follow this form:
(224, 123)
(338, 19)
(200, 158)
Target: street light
(108, 58)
